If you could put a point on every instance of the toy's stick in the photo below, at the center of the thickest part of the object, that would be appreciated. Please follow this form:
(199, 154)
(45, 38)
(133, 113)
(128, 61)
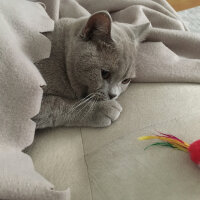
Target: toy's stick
(174, 142)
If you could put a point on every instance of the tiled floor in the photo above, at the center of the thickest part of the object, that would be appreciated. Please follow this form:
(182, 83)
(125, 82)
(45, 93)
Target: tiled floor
(117, 164)
(118, 167)
(191, 18)
(61, 151)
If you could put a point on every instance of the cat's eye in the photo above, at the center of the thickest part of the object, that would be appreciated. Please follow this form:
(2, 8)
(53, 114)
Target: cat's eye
(105, 74)
(126, 81)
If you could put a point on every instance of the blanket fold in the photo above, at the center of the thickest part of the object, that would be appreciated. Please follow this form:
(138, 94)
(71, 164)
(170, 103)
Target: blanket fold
(21, 44)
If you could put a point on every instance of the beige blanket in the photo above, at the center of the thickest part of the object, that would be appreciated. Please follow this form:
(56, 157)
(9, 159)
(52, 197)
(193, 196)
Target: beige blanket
(170, 54)
(21, 44)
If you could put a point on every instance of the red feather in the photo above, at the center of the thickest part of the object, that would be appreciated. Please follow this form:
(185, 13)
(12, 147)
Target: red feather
(170, 136)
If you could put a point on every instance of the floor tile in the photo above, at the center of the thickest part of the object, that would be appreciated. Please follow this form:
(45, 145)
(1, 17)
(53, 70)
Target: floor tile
(58, 155)
(145, 105)
(123, 170)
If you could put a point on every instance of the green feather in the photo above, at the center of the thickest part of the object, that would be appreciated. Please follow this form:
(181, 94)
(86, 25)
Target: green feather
(166, 144)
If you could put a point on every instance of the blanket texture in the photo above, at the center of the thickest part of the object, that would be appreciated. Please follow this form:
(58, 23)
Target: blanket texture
(21, 44)
(169, 54)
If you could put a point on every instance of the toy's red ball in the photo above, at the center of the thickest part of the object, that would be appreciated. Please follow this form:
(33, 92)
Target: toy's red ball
(194, 151)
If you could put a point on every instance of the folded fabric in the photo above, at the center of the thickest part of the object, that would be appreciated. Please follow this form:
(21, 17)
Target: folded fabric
(21, 44)
(170, 54)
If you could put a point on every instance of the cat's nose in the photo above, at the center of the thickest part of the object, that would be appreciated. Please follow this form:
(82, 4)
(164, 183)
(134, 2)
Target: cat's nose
(112, 96)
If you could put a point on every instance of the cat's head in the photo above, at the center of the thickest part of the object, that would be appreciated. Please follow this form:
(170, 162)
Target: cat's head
(101, 55)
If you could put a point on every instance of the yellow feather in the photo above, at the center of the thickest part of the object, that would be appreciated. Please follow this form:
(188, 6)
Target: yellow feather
(170, 140)
(180, 148)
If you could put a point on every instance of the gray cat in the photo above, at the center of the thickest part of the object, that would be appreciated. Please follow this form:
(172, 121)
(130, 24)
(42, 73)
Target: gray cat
(91, 63)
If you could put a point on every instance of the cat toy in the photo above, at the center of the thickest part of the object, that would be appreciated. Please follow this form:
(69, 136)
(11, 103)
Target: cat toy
(174, 142)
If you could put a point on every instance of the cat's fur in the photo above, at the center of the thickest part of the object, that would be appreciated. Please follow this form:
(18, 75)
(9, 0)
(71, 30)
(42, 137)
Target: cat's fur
(82, 49)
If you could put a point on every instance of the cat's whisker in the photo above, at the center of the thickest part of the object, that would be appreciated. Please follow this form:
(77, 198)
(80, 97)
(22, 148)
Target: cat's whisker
(100, 96)
(90, 109)
(91, 94)
(81, 102)
(83, 99)
(86, 101)
(91, 103)
(87, 104)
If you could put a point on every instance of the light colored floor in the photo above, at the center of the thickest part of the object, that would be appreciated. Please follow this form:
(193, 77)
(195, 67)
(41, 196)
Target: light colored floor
(191, 18)
(118, 166)
(179, 5)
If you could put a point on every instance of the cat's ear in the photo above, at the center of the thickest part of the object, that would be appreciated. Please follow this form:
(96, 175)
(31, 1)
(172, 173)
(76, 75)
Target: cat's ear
(98, 27)
(141, 31)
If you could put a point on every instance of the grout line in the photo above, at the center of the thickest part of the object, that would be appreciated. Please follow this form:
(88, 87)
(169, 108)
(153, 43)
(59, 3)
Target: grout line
(91, 193)
(144, 128)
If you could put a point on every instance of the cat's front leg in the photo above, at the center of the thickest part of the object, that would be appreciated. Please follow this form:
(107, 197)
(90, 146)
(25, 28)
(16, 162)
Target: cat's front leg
(56, 111)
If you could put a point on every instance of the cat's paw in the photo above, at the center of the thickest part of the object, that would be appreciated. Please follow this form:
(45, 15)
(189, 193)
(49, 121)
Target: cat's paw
(106, 113)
